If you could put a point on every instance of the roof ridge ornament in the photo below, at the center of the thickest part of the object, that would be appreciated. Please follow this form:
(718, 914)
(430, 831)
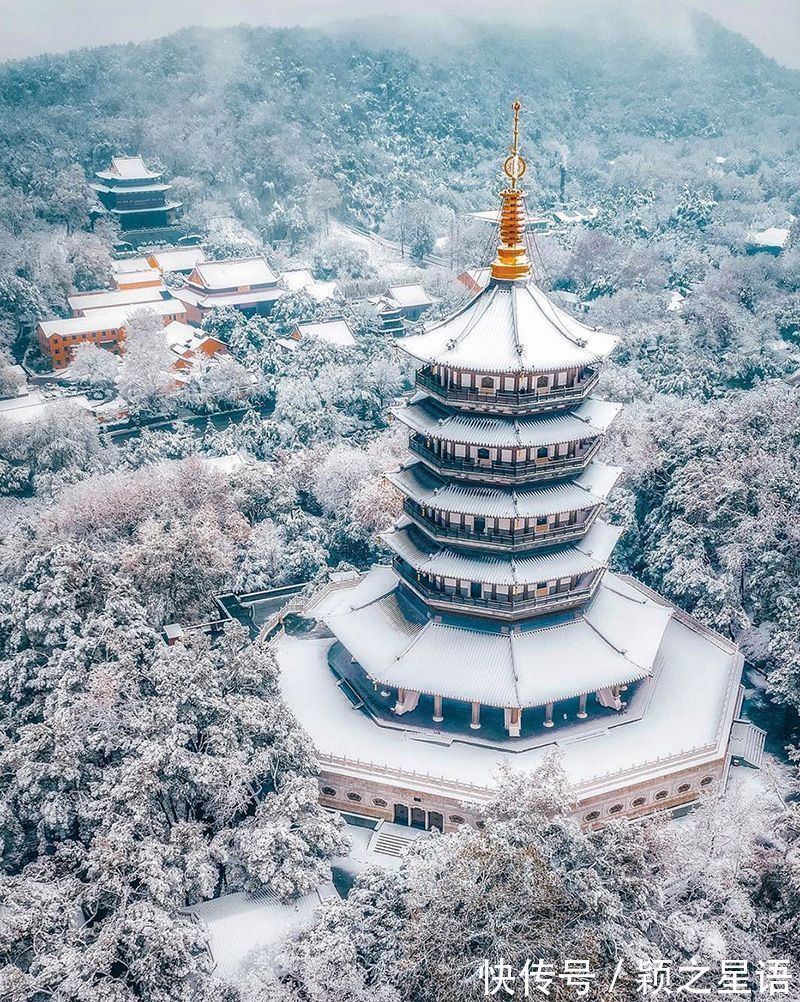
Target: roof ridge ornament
(512, 262)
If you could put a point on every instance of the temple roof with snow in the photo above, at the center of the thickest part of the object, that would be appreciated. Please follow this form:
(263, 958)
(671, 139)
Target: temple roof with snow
(423, 486)
(427, 417)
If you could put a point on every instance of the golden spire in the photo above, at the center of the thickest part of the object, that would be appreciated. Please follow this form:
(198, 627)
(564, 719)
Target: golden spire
(512, 261)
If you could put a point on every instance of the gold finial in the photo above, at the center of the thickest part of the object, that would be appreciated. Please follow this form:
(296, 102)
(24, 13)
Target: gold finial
(512, 261)
(514, 166)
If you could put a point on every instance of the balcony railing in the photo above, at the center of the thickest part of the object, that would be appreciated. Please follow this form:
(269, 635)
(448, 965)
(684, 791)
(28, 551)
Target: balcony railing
(500, 539)
(497, 608)
(498, 472)
(517, 400)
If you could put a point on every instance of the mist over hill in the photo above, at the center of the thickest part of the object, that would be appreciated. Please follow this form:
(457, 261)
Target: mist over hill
(390, 112)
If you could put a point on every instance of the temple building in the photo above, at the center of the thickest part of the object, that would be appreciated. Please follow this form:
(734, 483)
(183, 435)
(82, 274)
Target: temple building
(247, 283)
(104, 327)
(499, 634)
(135, 196)
(401, 307)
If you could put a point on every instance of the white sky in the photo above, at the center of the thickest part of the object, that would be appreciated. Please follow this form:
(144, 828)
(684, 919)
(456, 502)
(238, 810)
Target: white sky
(33, 26)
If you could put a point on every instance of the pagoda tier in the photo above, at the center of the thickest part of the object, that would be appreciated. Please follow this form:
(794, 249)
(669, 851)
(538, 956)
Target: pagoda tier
(504, 450)
(519, 393)
(496, 592)
(490, 518)
(612, 643)
(502, 586)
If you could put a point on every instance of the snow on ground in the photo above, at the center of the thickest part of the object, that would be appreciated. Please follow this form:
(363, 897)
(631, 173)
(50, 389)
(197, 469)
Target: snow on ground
(241, 927)
(771, 783)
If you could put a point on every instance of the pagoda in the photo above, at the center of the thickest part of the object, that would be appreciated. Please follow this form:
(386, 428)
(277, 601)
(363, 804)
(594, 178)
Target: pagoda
(502, 547)
(134, 195)
(498, 632)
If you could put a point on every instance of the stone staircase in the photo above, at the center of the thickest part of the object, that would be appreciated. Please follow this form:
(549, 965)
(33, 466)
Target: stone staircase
(747, 743)
(392, 840)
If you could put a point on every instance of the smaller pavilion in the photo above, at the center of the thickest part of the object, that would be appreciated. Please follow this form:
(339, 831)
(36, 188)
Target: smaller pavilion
(134, 195)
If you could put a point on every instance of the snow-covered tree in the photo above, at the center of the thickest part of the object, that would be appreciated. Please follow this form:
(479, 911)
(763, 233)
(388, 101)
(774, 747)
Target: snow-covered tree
(217, 383)
(70, 198)
(12, 379)
(94, 368)
(60, 446)
(179, 562)
(145, 380)
(136, 779)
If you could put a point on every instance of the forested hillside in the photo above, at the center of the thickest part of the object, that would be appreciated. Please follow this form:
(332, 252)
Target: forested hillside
(252, 114)
(685, 143)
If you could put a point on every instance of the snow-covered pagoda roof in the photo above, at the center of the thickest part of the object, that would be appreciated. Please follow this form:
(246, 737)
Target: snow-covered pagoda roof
(127, 169)
(587, 420)
(588, 490)
(588, 554)
(510, 327)
(613, 641)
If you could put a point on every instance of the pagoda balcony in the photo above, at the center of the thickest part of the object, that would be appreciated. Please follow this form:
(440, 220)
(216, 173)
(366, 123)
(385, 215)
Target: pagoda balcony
(499, 540)
(497, 401)
(495, 608)
(498, 472)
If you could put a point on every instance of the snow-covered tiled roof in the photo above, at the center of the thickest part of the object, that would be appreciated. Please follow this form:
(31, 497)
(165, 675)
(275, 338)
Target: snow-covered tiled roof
(297, 279)
(679, 718)
(588, 420)
(588, 490)
(177, 258)
(84, 301)
(409, 296)
(587, 554)
(194, 298)
(774, 236)
(146, 277)
(510, 327)
(109, 319)
(183, 337)
(128, 264)
(128, 169)
(531, 667)
(332, 331)
(237, 273)
(241, 926)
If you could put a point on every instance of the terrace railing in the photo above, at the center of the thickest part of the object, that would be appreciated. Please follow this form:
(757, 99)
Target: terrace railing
(537, 399)
(498, 472)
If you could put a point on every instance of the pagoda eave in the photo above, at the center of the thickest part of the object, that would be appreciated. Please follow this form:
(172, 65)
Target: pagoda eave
(589, 489)
(500, 668)
(510, 327)
(427, 417)
(587, 555)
